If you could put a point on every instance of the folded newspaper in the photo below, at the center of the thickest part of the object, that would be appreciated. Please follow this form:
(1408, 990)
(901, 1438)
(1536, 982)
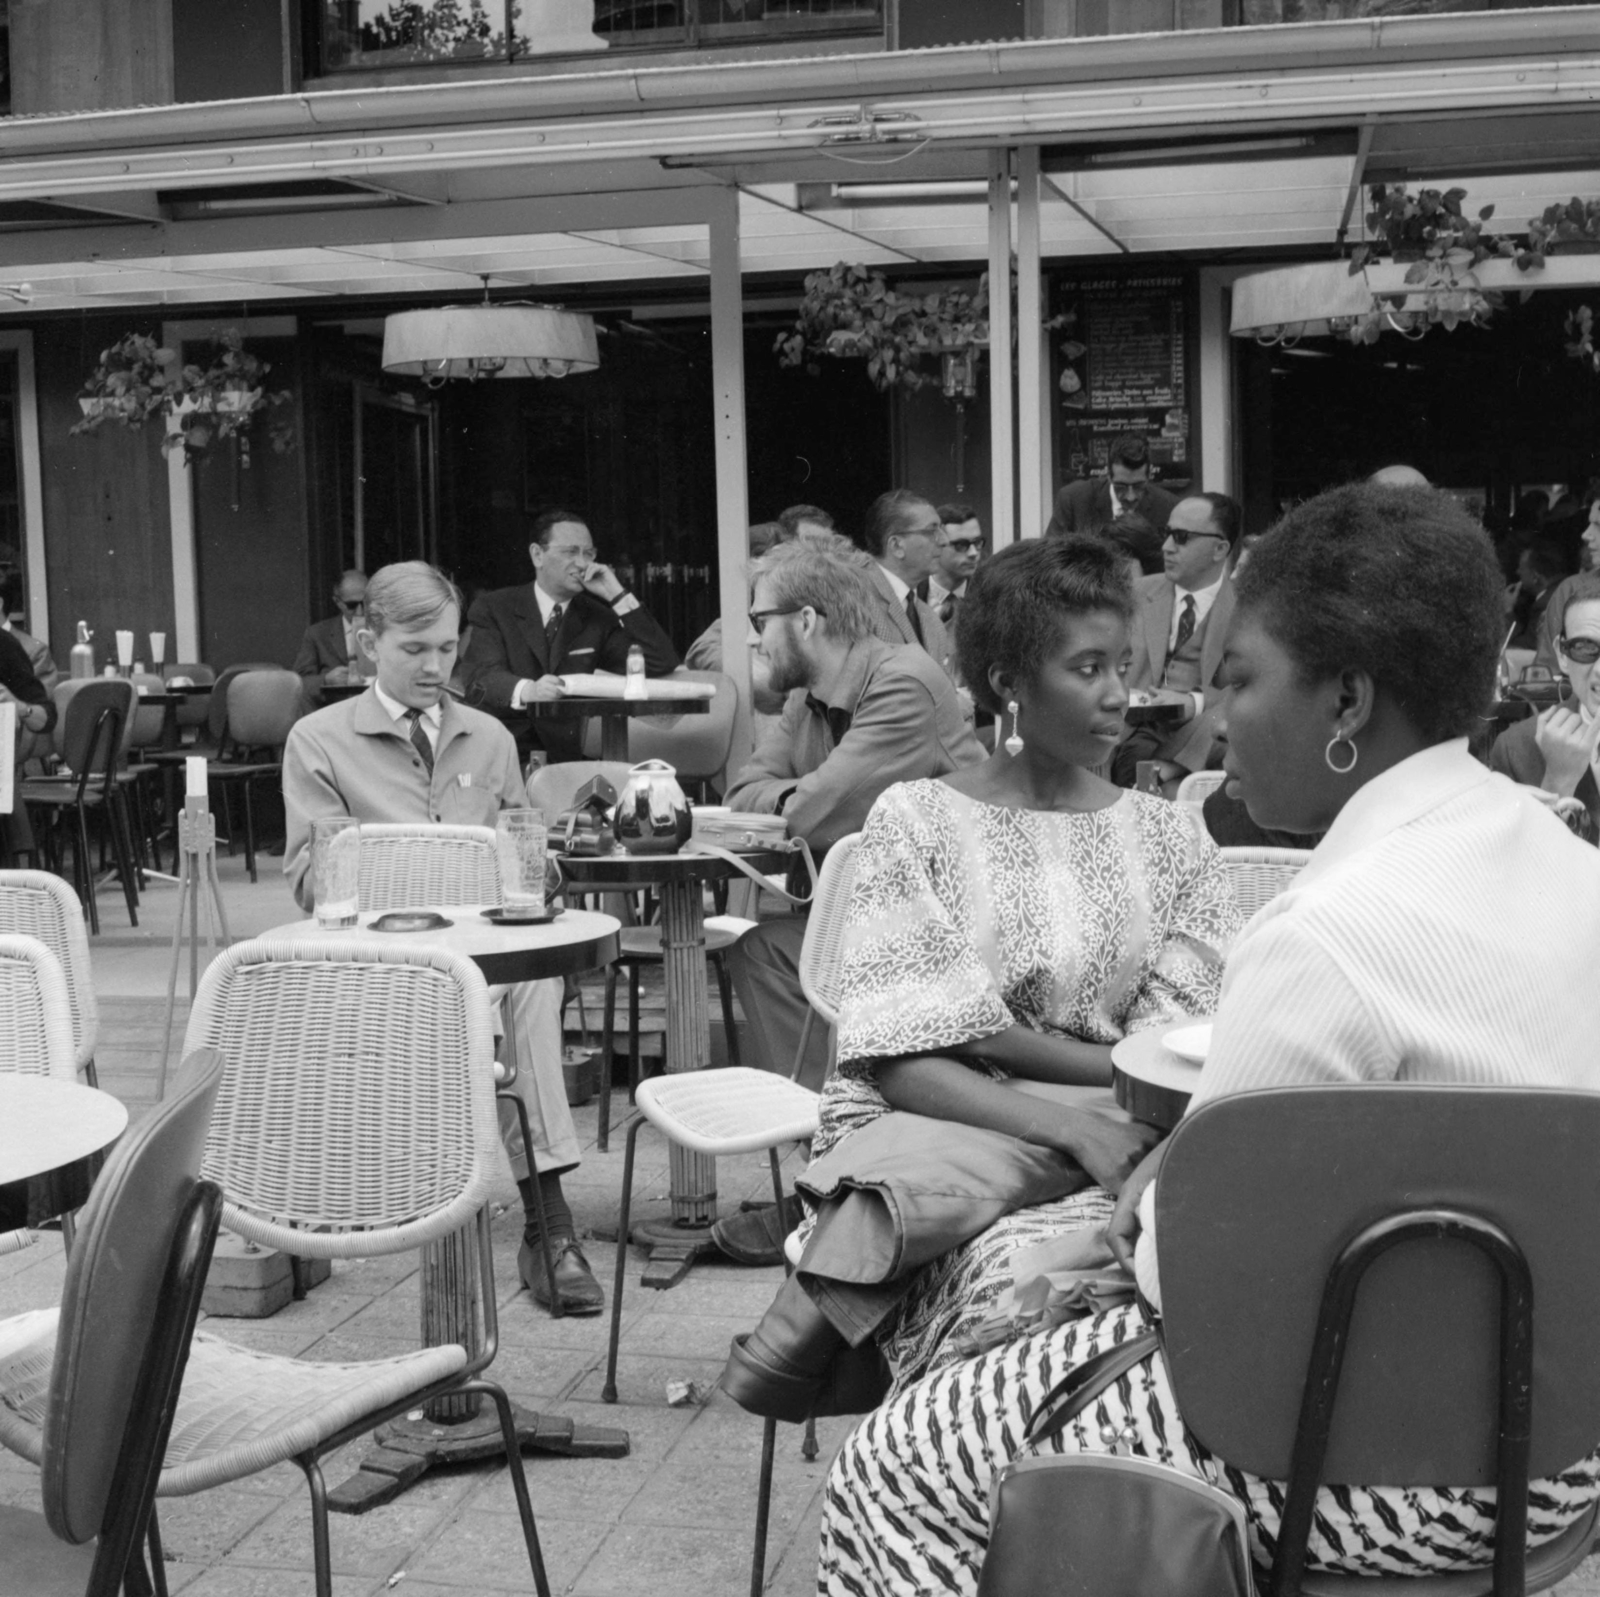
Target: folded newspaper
(606, 686)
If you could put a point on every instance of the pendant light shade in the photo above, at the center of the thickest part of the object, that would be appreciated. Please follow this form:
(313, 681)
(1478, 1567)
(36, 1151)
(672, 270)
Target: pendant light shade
(476, 341)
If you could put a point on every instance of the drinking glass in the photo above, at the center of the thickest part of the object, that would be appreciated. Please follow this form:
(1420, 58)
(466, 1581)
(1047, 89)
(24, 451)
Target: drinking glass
(519, 837)
(158, 649)
(335, 857)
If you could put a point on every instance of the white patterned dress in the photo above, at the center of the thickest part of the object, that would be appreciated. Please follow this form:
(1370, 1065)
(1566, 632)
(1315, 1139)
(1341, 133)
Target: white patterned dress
(968, 918)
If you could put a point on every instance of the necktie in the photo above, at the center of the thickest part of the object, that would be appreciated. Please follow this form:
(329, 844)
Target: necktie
(1185, 624)
(419, 738)
(551, 628)
(911, 613)
(947, 610)
(838, 721)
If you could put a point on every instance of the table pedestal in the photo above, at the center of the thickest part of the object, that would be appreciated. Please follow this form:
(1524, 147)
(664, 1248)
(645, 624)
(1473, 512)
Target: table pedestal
(614, 737)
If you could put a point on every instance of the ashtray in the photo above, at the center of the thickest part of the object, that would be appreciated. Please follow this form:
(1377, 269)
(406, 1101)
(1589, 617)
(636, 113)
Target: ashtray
(500, 916)
(411, 920)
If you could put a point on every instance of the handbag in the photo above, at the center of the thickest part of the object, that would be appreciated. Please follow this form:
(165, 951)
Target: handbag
(1104, 1525)
(585, 828)
(722, 831)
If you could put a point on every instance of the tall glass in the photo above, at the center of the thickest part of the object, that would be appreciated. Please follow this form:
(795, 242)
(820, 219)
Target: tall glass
(335, 860)
(519, 837)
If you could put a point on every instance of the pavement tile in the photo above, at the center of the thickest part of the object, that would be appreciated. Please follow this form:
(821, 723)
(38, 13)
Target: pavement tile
(531, 1373)
(231, 1580)
(486, 1552)
(642, 1377)
(667, 1561)
(674, 1334)
(203, 1527)
(360, 1544)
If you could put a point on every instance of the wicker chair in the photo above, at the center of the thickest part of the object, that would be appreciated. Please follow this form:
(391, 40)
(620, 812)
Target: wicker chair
(39, 904)
(35, 1010)
(356, 1118)
(92, 1410)
(407, 865)
(1258, 875)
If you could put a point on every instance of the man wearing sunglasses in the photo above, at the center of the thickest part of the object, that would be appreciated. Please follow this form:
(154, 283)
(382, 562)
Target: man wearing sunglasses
(943, 590)
(328, 654)
(1126, 507)
(1179, 623)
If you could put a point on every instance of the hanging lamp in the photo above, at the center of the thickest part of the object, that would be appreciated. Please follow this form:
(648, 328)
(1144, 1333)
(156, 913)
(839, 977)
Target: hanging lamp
(472, 342)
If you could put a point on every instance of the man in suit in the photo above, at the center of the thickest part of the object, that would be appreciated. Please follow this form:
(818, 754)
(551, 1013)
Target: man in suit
(861, 715)
(328, 652)
(959, 555)
(1179, 625)
(1128, 508)
(574, 617)
(903, 534)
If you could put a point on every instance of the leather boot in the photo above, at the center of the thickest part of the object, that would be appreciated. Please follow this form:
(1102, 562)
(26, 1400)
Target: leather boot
(780, 1369)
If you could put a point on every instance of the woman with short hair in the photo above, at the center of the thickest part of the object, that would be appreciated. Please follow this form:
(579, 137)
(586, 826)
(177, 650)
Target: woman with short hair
(1414, 946)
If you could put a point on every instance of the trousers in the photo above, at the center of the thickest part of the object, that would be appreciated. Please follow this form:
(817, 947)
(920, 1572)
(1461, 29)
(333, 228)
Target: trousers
(764, 966)
(531, 1015)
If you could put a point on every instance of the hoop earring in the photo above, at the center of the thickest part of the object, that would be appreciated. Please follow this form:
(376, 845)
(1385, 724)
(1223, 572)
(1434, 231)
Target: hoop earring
(1327, 754)
(1014, 742)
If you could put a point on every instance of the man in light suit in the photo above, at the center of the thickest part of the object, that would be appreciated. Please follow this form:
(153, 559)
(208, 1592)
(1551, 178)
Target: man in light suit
(576, 616)
(1127, 508)
(1180, 623)
(903, 534)
(328, 651)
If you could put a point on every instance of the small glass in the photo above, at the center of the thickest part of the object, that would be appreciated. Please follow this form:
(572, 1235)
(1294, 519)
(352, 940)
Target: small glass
(158, 649)
(520, 837)
(335, 857)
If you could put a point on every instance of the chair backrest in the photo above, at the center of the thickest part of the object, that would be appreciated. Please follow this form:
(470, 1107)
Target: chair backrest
(217, 704)
(134, 1279)
(262, 707)
(35, 1011)
(39, 904)
(1198, 786)
(821, 965)
(404, 866)
(695, 746)
(148, 719)
(1259, 1194)
(91, 713)
(551, 788)
(193, 711)
(1258, 875)
(358, 1100)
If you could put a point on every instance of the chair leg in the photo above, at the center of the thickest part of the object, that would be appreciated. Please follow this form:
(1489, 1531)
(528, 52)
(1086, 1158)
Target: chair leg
(608, 1054)
(808, 1443)
(519, 1479)
(83, 870)
(117, 824)
(777, 1177)
(758, 1558)
(321, 1557)
(725, 989)
(608, 1392)
(158, 1561)
(635, 1063)
(249, 828)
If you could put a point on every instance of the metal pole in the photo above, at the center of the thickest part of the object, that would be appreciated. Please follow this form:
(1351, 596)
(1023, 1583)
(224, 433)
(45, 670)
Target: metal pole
(1033, 419)
(1002, 468)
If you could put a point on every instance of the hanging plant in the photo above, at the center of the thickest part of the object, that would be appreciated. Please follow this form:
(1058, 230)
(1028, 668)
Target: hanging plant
(137, 379)
(850, 312)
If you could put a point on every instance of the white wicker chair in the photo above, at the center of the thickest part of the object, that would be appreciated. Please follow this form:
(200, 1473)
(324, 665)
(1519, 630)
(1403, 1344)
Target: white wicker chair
(35, 1011)
(1197, 787)
(1258, 875)
(407, 866)
(40, 904)
(356, 1118)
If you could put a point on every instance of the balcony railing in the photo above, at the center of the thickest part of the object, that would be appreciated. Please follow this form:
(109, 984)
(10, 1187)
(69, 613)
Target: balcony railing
(362, 35)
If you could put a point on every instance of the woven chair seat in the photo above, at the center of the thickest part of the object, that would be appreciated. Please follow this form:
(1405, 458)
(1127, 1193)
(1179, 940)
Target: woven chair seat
(239, 1411)
(736, 1110)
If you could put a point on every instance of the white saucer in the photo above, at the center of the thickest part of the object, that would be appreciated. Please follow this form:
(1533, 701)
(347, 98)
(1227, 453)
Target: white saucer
(1189, 1042)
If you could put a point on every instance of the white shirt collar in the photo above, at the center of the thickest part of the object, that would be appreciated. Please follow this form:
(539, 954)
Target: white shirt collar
(901, 589)
(938, 591)
(433, 715)
(547, 604)
(1402, 794)
(1203, 598)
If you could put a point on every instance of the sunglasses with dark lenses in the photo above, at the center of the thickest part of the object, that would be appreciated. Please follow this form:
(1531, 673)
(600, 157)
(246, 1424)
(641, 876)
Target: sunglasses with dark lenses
(1581, 651)
(351, 606)
(759, 618)
(1181, 535)
(964, 546)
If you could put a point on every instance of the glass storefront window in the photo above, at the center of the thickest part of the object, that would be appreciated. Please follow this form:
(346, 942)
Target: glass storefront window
(359, 35)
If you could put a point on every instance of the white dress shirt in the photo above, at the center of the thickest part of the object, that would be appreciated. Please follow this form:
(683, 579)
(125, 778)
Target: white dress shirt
(432, 717)
(901, 589)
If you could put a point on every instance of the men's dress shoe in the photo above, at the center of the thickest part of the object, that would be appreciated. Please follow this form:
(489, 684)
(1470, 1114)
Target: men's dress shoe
(576, 1286)
(756, 1236)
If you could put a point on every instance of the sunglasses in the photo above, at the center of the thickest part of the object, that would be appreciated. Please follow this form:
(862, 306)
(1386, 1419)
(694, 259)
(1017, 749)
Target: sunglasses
(964, 546)
(1181, 535)
(759, 618)
(1581, 651)
(351, 606)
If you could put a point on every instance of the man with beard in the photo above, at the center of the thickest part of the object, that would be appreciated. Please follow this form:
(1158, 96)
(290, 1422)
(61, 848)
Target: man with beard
(861, 715)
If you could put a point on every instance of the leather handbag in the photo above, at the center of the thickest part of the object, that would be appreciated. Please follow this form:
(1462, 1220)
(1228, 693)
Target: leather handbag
(723, 832)
(585, 828)
(1105, 1525)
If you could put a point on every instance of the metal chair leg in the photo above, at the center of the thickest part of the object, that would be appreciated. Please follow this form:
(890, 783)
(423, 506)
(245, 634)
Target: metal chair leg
(608, 1054)
(758, 1558)
(519, 1479)
(249, 828)
(725, 989)
(321, 1557)
(608, 1392)
(635, 1063)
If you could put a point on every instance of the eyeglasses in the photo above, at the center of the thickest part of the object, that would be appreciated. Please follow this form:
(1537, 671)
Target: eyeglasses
(964, 546)
(1581, 651)
(759, 618)
(351, 606)
(1181, 535)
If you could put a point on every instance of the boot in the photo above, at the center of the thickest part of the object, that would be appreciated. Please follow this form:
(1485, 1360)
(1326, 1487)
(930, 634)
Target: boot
(782, 1367)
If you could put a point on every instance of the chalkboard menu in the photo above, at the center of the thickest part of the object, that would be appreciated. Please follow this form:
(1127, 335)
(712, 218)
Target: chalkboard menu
(1121, 363)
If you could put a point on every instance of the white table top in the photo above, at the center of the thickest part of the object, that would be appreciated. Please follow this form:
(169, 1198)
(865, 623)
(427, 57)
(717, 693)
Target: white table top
(46, 1123)
(1143, 1057)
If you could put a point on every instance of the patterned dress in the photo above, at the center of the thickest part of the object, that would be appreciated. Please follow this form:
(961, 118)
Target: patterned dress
(968, 918)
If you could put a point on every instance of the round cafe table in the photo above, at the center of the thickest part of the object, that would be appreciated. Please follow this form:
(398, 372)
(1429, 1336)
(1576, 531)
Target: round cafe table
(50, 1132)
(1150, 1081)
(678, 880)
(458, 1429)
(613, 715)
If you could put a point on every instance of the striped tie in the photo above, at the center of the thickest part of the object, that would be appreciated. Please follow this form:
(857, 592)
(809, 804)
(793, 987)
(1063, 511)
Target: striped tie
(419, 739)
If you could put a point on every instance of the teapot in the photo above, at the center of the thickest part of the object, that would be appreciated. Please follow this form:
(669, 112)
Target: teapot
(652, 814)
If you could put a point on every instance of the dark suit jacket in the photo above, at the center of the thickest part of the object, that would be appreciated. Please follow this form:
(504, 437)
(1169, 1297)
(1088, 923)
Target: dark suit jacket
(1087, 507)
(321, 649)
(1189, 745)
(508, 644)
(1516, 754)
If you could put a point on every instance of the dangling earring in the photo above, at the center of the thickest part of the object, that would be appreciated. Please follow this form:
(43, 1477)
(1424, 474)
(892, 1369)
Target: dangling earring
(1014, 742)
(1335, 742)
